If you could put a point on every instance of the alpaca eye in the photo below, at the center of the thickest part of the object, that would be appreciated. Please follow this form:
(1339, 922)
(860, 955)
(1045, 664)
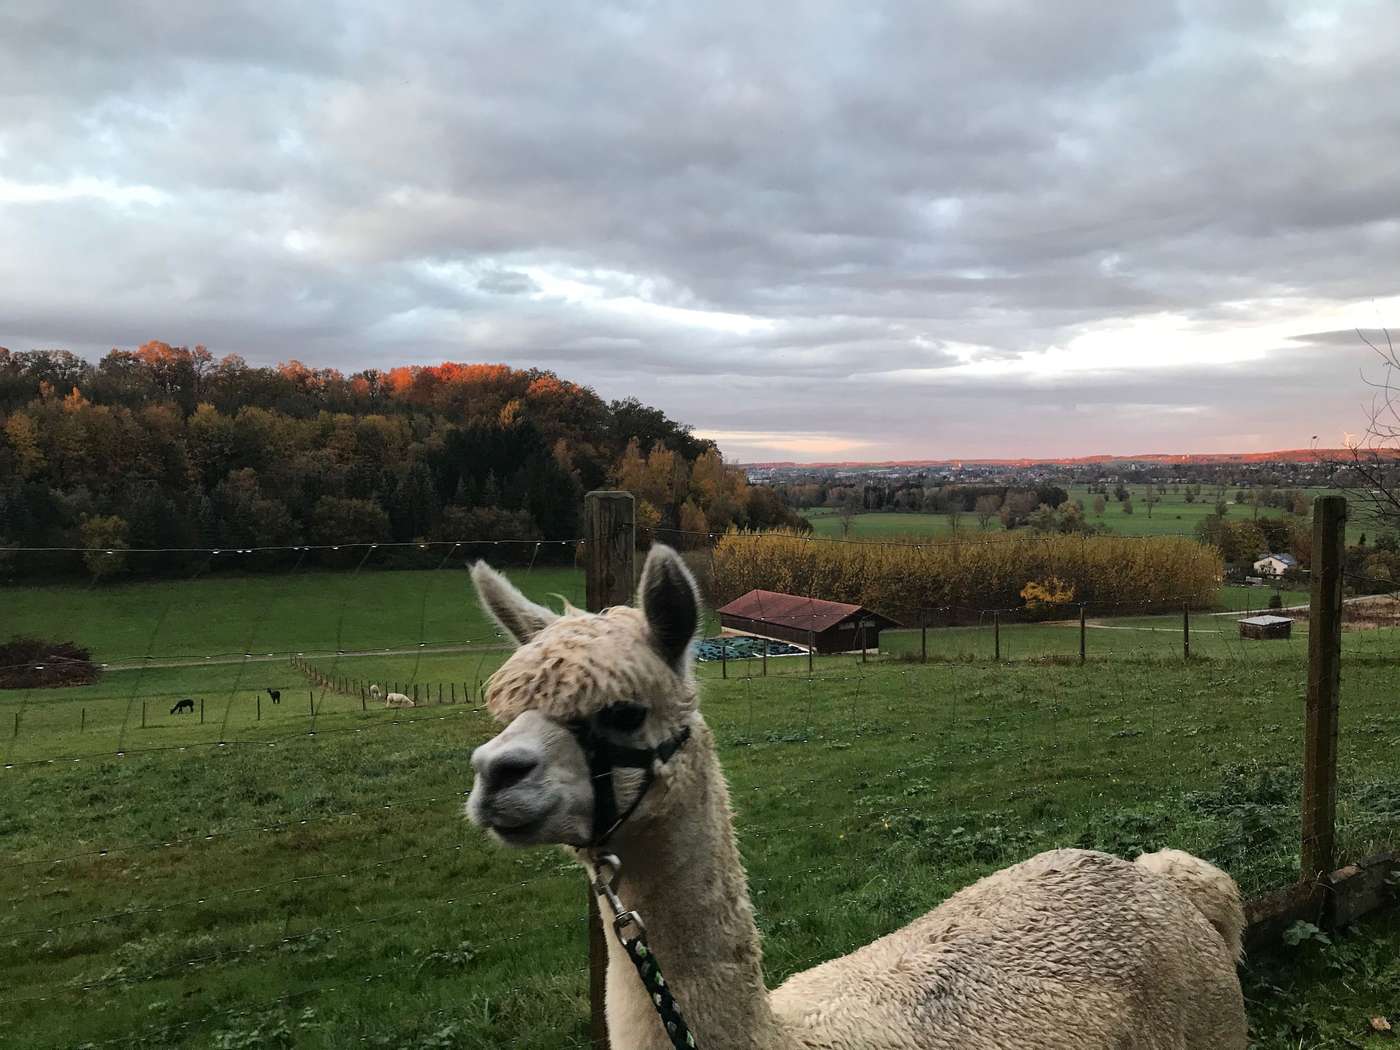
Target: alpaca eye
(622, 718)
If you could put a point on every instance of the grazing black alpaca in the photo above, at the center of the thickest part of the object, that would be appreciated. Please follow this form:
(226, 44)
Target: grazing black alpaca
(184, 705)
(276, 695)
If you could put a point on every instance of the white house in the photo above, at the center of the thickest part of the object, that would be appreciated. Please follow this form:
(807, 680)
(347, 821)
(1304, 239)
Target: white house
(1275, 564)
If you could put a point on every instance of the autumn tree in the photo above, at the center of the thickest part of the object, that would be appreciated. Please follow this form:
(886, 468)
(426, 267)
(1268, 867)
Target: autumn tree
(986, 509)
(105, 542)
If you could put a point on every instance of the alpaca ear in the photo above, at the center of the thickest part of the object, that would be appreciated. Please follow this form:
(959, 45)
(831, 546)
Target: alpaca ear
(519, 617)
(671, 602)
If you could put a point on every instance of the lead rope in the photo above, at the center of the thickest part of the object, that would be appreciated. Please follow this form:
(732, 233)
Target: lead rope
(605, 869)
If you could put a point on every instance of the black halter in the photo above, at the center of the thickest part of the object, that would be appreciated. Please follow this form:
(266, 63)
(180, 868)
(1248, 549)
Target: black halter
(603, 756)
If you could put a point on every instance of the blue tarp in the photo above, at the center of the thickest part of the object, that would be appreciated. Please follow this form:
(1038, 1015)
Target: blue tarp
(741, 647)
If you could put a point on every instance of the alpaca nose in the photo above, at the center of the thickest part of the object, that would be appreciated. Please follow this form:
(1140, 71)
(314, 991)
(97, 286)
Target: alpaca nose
(500, 770)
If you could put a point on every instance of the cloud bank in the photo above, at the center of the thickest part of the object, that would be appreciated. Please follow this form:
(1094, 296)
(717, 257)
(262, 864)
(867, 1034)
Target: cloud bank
(897, 230)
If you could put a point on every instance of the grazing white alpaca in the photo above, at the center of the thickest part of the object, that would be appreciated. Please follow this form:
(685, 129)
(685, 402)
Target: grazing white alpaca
(374, 693)
(1070, 949)
(398, 700)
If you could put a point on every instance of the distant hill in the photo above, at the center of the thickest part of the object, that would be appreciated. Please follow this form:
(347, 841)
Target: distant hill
(1295, 455)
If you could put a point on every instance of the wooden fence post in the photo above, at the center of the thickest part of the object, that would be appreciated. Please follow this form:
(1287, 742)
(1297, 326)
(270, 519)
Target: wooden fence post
(1186, 632)
(201, 711)
(811, 649)
(765, 658)
(453, 694)
(1324, 689)
(82, 726)
(415, 694)
(610, 572)
(143, 717)
(723, 657)
(258, 698)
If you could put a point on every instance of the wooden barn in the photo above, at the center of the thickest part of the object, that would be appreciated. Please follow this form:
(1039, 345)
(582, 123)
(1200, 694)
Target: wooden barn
(827, 627)
(1262, 627)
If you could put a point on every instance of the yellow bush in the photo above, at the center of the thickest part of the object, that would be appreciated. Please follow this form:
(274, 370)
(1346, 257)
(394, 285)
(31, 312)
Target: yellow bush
(907, 579)
(1050, 591)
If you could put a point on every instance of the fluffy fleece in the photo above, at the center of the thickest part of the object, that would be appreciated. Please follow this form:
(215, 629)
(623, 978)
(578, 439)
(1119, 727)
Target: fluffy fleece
(1070, 950)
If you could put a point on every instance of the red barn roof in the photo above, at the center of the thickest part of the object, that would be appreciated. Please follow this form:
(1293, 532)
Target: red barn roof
(792, 610)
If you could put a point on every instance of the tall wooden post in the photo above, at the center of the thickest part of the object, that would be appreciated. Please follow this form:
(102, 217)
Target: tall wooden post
(1082, 646)
(765, 658)
(811, 649)
(723, 657)
(1324, 688)
(610, 572)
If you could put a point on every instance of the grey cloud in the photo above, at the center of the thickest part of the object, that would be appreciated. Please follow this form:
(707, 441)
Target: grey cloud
(882, 188)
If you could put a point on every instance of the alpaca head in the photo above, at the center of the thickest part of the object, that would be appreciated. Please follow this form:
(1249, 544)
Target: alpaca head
(617, 682)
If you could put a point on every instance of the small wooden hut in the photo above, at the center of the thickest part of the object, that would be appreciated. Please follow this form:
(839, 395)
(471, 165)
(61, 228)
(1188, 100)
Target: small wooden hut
(826, 627)
(1265, 627)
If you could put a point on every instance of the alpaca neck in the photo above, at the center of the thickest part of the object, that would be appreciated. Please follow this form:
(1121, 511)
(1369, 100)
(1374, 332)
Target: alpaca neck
(682, 874)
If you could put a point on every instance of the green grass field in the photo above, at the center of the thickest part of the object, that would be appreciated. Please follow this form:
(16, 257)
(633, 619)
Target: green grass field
(289, 889)
(1173, 516)
(276, 612)
(300, 874)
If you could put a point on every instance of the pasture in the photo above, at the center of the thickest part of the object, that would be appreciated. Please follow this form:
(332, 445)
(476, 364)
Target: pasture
(1172, 516)
(300, 874)
(272, 886)
(229, 615)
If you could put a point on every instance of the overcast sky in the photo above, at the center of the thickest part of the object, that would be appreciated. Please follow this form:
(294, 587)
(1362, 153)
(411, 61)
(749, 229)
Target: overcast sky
(812, 230)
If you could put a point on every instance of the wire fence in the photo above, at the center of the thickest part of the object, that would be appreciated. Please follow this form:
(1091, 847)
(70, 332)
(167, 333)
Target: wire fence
(285, 859)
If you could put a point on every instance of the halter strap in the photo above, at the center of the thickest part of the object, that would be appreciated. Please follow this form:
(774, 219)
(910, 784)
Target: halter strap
(603, 756)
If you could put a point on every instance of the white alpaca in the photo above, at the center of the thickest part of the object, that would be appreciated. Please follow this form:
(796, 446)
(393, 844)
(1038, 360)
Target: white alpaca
(398, 700)
(374, 693)
(1070, 950)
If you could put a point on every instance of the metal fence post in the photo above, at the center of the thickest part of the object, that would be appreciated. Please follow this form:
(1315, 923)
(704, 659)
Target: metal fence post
(610, 572)
(1082, 648)
(1324, 689)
